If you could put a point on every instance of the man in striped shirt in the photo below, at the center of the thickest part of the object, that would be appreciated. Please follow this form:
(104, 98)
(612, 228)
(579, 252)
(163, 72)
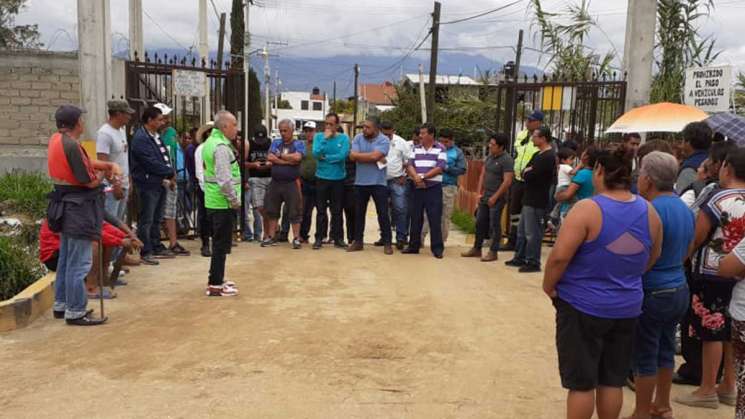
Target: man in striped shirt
(425, 170)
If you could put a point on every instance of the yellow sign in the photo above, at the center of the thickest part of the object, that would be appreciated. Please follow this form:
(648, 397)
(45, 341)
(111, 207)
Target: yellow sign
(552, 98)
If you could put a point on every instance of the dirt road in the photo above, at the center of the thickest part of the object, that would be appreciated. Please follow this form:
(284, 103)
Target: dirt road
(314, 334)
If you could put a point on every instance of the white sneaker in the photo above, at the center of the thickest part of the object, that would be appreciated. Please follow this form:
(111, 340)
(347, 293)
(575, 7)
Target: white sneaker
(215, 291)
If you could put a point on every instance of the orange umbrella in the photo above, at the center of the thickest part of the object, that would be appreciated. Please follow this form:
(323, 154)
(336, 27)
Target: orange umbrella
(660, 117)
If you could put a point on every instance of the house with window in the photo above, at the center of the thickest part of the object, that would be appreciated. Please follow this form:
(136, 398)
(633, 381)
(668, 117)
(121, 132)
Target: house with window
(303, 107)
(377, 97)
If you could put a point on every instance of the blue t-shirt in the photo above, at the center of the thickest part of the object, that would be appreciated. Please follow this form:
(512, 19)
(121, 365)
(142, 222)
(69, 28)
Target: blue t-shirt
(583, 178)
(678, 229)
(286, 173)
(369, 174)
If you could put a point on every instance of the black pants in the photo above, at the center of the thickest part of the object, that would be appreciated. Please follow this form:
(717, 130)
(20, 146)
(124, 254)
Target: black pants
(429, 200)
(489, 224)
(329, 193)
(205, 228)
(222, 236)
(350, 206)
(515, 208)
(379, 194)
(309, 204)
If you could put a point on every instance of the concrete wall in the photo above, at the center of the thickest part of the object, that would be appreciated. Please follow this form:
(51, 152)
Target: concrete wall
(32, 85)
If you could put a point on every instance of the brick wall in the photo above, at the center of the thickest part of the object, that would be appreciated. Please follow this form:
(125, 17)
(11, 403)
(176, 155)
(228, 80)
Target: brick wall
(32, 85)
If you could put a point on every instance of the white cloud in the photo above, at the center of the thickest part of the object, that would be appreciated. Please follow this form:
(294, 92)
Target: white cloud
(347, 26)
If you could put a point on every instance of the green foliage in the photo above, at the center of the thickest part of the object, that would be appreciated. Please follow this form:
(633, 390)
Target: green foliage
(283, 104)
(14, 36)
(471, 118)
(464, 221)
(25, 193)
(563, 35)
(19, 267)
(343, 106)
(679, 46)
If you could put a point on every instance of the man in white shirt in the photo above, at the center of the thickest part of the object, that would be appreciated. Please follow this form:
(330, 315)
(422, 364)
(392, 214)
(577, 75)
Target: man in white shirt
(398, 156)
(111, 145)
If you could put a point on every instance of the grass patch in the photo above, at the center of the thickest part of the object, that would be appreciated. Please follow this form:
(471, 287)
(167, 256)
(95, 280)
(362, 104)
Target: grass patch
(464, 221)
(25, 193)
(19, 267)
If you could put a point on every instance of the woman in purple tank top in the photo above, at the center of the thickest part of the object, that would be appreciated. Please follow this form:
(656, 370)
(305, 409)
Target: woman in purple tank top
(594, 277)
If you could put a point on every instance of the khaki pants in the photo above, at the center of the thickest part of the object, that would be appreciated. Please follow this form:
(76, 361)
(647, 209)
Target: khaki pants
(449, 193)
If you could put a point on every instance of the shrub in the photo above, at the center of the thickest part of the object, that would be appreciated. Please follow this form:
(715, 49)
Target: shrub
(464, 221)
(19, 267)
(25, 193)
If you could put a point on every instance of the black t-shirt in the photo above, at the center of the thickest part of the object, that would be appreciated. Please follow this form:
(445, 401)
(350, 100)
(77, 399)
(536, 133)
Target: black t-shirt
(539, 178)
(257, 153)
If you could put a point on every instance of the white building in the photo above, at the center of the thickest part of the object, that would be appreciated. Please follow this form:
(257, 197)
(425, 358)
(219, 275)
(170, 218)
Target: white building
(306, 106)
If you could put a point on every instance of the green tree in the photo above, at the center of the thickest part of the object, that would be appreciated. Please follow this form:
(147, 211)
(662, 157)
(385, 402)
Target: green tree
(343, 106)
(679, 46)
(14, 36)
(562, 36)
(237, 29)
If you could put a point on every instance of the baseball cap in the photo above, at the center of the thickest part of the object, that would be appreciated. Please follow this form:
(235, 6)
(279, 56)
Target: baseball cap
(536, 116)
(386, 125)
(117, 105)
(165, 109)
(260, 132)
(67, 116)
(309, 124)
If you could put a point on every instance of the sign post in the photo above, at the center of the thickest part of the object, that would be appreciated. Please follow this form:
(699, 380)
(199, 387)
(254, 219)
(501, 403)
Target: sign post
(709, 88)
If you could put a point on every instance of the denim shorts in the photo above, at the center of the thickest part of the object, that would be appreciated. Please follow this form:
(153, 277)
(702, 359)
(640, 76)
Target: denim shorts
(654, 339)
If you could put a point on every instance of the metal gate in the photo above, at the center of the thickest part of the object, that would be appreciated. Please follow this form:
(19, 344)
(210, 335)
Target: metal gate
(149, 81)
(579, 110)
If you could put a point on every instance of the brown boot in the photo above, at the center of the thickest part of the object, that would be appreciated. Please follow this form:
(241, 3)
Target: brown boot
(472, 253)
(388, 249)
(354, 247)
(490, 256)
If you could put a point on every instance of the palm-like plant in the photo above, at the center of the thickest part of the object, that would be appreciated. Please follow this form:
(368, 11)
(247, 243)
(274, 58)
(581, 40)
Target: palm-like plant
(564, 43)
(679, 46)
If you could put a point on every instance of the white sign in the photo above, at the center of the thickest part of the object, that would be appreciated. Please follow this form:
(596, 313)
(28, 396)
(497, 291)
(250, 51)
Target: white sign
(189, 83)
(708, 88)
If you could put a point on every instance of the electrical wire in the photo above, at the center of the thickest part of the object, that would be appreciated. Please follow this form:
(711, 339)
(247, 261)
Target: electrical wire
(481, 14)
(164, 31)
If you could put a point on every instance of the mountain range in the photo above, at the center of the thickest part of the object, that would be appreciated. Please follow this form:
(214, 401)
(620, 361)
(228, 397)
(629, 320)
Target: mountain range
(298, 73)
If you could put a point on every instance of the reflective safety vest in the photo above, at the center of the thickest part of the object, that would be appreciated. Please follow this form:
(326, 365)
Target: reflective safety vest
(213, 197)
(524, 151)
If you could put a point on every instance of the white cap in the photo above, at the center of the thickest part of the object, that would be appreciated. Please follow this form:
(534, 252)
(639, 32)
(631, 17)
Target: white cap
(309, 124)
(163, 108)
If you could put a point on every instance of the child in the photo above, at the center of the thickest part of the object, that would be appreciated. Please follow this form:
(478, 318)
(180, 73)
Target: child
(565, 173)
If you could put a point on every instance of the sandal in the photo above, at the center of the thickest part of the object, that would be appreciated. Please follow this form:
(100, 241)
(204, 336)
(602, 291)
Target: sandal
(86, 321)
(107, 295)
(657, 413)
(178, 250)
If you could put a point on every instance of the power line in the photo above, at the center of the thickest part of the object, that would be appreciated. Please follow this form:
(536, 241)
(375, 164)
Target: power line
(165, 32)
(482, 14)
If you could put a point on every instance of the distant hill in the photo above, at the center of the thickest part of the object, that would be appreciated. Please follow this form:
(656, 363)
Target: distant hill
(304, 73)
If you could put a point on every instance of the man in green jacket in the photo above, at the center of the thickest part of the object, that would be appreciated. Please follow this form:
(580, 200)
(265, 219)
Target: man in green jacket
(522, 151)
(222, 180)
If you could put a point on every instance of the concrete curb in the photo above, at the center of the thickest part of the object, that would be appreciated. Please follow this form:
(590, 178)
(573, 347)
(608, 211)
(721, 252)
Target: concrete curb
(24, 308)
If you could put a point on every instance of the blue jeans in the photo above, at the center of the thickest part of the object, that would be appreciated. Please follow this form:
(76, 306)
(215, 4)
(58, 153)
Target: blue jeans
(152, 200)
(489, 224)
(530, 235)
(255, 232)
(74, 263)
(117, 208)
(399, 208)
(654, 339)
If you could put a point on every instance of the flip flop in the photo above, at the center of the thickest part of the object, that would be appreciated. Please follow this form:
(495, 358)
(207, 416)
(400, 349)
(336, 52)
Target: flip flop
(656, 413)
(107, 295)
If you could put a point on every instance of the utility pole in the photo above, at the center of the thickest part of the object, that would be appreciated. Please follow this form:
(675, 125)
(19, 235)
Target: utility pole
(204, 55)
(246, 69)
(333, 103)
(433, 62)
(516, 75)
(220, 46)
(641, 20)
(356, 97)
(94, 33)
(267, 77)
(422, 95)
(136, 38)
(277, 83)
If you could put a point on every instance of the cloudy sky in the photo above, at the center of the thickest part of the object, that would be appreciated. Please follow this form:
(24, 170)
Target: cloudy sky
(389, 28)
